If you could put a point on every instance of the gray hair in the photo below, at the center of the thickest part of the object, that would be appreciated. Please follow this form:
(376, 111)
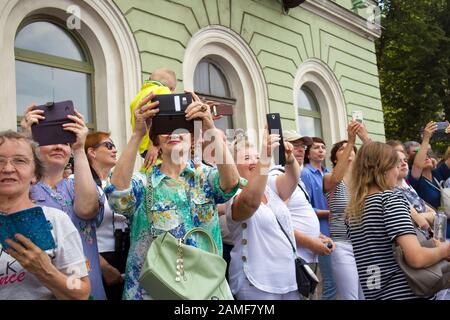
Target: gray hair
(12, 135)
(408, 144)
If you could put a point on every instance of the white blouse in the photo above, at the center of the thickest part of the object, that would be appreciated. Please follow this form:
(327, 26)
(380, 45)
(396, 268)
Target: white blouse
(262, 253)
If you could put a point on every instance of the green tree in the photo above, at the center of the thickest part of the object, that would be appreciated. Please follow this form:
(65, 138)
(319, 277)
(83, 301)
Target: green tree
(414, 65)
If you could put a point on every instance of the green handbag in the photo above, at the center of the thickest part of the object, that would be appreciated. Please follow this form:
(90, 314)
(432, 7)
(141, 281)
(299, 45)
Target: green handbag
(174, 270)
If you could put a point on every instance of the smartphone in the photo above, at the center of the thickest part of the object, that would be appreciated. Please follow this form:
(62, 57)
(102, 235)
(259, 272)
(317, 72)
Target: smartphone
(171, 115)
(441, 126)
(274, 126)
(30, 223)
(357, 116)
(50, 130)
(222, 109)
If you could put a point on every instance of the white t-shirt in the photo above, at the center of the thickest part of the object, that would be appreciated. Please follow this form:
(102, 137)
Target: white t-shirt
(261, 252)
(16, 283)
(105, 232)
(304, 218)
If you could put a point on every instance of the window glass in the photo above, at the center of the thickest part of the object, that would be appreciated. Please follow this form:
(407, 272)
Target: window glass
(48, 38)
(41, 84)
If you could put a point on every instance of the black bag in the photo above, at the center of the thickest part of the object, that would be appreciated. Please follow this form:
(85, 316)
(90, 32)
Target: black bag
(306, 279)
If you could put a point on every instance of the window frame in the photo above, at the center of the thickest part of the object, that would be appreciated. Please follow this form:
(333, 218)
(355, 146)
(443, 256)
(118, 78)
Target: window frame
(226, 103)
(309, 113)
(49, 60)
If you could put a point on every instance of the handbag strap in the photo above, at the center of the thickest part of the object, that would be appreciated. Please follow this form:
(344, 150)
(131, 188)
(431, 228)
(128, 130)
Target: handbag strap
(212, 244)
(284, 232)
(149, 200)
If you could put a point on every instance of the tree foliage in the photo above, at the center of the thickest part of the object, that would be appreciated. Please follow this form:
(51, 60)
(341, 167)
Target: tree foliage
(414, 65)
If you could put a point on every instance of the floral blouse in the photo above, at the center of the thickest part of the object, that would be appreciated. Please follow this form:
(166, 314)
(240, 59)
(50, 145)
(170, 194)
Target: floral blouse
(178, 205)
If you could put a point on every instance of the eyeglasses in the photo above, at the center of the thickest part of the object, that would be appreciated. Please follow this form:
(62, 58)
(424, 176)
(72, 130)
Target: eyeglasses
(108, 144)
(299, 145)
(17, 162)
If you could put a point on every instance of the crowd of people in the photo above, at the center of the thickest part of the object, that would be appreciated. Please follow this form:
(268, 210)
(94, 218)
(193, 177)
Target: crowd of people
(104, 216)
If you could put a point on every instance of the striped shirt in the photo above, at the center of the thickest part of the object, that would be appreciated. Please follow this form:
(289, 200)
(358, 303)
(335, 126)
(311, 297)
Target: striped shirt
(337, 202)
(386, 216)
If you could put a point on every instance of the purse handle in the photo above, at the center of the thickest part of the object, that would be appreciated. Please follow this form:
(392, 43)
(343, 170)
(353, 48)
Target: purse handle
(212, 244)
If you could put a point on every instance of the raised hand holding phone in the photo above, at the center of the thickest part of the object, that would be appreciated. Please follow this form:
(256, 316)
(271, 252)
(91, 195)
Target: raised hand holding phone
(357, 115)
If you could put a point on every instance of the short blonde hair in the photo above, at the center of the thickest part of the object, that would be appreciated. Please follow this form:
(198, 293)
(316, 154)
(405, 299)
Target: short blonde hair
(239, 144)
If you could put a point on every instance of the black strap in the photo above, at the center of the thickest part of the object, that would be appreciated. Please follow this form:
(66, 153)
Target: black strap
(299, 184)
(289, 239)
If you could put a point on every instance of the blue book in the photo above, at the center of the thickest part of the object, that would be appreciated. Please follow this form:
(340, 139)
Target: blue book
(30, 223)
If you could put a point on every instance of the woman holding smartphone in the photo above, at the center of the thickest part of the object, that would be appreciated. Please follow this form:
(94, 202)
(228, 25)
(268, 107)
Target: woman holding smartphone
(262, 260)
(77, 196)
(175, 196)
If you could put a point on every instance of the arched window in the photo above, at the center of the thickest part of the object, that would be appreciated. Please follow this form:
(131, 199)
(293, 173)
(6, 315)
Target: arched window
(309, 117)
(53, 64)
(211, 83)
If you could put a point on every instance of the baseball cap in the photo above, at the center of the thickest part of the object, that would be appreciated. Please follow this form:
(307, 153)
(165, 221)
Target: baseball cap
(292, 135)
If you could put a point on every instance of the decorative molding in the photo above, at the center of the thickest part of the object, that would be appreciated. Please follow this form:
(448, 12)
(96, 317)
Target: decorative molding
(343, 17)
(116, 60)
(323, 83)
(245, 76)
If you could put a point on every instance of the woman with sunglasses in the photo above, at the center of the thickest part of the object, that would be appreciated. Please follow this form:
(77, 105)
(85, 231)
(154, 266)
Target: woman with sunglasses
(77, 196)
(181, 195)
(113, 232)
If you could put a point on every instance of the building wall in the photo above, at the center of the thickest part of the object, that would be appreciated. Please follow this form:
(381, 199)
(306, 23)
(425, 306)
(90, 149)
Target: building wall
(280, 43)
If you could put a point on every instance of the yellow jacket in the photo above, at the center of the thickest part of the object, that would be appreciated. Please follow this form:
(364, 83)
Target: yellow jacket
(149, 86)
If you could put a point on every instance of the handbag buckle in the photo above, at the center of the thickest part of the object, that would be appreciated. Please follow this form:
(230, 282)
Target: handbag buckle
(180, 263)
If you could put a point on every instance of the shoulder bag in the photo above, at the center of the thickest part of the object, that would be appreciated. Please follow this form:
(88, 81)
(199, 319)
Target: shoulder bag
(174, 270)
(307, 281)
(425, 281)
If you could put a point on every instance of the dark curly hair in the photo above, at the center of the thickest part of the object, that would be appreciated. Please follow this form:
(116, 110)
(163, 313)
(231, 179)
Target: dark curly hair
(336, 148)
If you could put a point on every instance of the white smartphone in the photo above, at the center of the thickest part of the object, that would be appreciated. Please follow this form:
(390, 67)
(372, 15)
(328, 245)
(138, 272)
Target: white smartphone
(357, 116)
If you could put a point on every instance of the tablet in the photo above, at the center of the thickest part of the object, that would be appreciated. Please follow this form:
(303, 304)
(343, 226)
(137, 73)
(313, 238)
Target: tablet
(50, 130)
(30, 223)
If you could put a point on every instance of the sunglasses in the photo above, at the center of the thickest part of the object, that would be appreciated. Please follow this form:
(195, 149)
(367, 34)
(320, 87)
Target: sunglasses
(108, 144)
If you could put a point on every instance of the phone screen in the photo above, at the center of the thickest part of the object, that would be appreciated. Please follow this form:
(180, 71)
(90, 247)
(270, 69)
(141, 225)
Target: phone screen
(441, 126)
(357, 116)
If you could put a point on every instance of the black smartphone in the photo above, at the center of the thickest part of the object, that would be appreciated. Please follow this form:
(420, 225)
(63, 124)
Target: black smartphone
(274, 126)
(441, 126)
(30, 223)
(171, 115)
(50, 130)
